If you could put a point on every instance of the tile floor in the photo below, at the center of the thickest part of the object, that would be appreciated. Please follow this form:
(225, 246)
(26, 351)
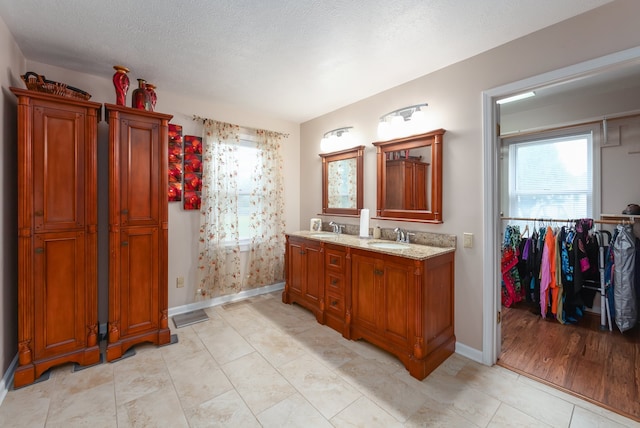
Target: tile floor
(260, 362)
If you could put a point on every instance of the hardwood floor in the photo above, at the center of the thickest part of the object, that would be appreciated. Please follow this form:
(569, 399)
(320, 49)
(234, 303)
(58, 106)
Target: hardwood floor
(600, 366)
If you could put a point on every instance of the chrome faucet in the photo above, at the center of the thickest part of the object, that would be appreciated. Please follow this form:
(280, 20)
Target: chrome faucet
(337, 228)
(402, 235)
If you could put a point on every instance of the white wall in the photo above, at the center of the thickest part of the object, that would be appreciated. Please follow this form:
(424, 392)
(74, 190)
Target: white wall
(455, 104)
(12, 65)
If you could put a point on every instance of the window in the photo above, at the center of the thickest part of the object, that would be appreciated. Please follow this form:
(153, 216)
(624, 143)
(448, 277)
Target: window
(250, 169)
(550, 176)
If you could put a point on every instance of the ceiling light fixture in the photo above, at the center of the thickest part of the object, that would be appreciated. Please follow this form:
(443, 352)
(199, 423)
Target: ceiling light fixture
(403, 121)
(337, 139)
(518, 97)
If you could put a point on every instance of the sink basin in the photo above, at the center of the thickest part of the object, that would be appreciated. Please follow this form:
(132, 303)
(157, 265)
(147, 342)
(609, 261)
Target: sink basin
(323, 235)
(388, 245)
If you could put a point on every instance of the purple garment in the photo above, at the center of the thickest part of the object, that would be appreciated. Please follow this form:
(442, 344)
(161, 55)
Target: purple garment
(525, 250)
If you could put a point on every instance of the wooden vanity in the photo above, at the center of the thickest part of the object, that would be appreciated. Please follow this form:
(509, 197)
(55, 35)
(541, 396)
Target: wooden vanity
(401, 300)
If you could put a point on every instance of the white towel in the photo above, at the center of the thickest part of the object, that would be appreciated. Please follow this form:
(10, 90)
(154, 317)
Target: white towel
(364, 223)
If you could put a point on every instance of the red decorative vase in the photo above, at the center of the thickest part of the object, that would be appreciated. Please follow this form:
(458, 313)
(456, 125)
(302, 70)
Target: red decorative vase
(151, 91)
(121, 83)
(140, 97)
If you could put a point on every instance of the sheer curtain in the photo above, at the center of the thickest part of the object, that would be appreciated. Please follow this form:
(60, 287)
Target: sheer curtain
(266, 252)
(219, 261)
(219, 243)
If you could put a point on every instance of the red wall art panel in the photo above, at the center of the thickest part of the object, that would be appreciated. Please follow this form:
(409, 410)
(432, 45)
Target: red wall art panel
(175, 163)
(192, 172)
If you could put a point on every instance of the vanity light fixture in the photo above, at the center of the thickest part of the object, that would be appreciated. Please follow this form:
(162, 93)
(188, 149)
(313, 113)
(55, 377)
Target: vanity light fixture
(337, 139)
(517, 97)
(403, 121)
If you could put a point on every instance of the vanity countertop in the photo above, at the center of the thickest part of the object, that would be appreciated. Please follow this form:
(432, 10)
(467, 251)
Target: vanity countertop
(411, 250)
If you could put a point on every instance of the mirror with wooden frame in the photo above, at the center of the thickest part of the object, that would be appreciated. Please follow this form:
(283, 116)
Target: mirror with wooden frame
(409, 178)
(342, 173)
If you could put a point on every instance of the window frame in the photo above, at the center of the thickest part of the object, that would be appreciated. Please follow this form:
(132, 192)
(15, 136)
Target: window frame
(594, 129)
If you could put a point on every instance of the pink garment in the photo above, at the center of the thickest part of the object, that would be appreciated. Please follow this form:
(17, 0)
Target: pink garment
(547, 270)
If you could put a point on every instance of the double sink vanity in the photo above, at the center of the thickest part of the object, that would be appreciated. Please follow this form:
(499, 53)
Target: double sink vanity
(398, 296)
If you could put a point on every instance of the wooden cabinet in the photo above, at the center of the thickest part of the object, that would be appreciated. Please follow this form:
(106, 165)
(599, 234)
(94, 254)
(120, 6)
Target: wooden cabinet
(402, 305)
(405, 306)
(406, 184)
(336, 290)
(381, 298)
(304, 269)
(138, 206)
(57, 233)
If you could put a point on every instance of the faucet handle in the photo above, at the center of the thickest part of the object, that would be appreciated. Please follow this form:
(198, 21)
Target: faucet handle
(407, 235)
(400, 234)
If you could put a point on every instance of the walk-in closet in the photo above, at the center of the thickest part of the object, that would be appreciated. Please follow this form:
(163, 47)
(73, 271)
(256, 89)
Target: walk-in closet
(570, 237)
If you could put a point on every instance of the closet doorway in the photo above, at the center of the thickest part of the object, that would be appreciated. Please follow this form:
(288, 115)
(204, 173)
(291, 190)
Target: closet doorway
(579, 358)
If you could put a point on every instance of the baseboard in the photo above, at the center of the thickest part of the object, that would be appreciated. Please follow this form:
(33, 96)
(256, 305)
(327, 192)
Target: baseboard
(225, 299)
(469, 352)
(7, 379)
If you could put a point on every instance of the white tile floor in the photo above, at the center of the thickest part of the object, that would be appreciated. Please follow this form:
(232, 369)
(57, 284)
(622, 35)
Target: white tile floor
(260, 362)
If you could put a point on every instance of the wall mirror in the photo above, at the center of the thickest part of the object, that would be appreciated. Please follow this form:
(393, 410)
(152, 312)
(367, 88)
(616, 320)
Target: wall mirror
(409, 178)
(342, 173)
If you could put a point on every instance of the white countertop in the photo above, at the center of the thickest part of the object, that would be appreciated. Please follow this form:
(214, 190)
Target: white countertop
(412, 251)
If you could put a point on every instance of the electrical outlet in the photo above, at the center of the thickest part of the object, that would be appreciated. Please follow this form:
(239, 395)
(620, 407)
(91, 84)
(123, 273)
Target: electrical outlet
(467, 240)
(180, 282)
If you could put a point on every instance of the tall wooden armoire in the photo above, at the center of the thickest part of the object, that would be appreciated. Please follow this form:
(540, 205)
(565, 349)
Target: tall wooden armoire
(138, 223)
(57, 233)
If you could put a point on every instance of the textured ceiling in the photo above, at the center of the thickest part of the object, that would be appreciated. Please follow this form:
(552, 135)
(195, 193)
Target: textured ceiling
(295, 59)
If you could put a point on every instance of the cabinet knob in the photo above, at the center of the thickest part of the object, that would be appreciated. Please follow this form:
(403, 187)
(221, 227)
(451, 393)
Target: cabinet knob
(125, 243)
(302, 252)
(334, 261)
(125, 212)
(334, 281)
(334, 303)
(39, 213)
(378, 272)
(39, 250)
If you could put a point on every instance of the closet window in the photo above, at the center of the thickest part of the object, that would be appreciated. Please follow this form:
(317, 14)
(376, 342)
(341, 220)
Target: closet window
(551, 176)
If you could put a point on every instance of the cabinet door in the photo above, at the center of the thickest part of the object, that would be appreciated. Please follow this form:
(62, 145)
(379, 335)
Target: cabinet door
(395, 182)
(58, 167)
(139, 280)
(59, 293)
(398, 280)
(296, 267)
(408, 200)
(140, 181)
(367, 290)
(420, 186)
(313, 289)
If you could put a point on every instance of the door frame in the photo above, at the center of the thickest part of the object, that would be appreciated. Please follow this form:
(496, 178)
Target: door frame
(491, 303)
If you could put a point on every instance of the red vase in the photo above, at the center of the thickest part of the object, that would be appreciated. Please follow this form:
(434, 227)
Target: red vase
(151, 91)
(140, 97)
(121, 83)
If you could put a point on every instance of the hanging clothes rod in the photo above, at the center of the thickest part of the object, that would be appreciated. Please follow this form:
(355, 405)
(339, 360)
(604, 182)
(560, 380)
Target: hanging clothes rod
(630, 220)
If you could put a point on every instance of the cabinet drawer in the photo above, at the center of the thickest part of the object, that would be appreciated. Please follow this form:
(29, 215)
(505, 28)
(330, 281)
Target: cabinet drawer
(334, 283)
(335, 259)
(335, 304)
